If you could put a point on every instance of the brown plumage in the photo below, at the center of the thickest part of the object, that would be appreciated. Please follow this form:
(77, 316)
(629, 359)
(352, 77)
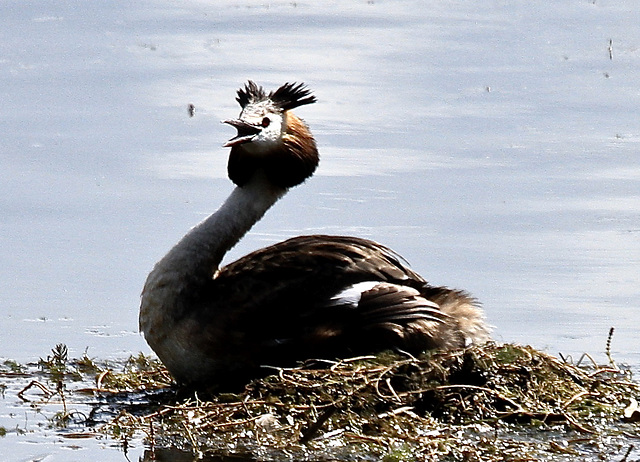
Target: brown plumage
(307, 297)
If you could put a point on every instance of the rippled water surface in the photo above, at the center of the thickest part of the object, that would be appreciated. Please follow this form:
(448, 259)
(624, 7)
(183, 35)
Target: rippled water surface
(494, 145)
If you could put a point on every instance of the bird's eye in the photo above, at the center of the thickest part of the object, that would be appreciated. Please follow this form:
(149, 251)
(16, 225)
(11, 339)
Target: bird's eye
(265, 122)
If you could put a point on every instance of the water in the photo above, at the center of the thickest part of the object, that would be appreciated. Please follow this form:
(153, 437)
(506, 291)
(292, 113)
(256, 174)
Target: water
(494, 145)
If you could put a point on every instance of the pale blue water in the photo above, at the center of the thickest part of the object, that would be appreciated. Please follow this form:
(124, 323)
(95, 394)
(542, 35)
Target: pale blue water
(494, 145)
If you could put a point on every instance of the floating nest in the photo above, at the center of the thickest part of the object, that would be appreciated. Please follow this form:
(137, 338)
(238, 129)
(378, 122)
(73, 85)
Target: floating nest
(486, 403)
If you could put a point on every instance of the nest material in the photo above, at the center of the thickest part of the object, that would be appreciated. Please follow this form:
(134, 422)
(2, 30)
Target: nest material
(485, 403)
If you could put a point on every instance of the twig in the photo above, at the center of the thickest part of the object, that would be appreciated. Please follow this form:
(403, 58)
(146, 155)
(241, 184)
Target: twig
(194, 443)
(313, 429)
(577, 397)
(393, 392)
(101, 377)
(580, 428)
(487, 390)
(587, 355)
(152, 437)
(603, 371)
(400, 410)
(233, 423)
(626, 455)
(34, 383)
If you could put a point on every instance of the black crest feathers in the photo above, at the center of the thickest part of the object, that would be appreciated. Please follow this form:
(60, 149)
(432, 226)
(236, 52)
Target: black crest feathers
(288, 96)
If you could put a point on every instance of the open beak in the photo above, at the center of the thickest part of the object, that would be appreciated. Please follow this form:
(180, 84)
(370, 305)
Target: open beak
(246, 132)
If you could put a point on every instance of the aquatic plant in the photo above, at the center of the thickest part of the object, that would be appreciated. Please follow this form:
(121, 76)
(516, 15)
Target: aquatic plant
(486, 403)
(482, 403)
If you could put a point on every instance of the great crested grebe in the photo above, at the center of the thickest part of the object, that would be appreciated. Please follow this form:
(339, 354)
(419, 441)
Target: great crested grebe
(308, 297)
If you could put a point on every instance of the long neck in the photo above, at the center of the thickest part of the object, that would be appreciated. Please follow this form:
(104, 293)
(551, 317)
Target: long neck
(195, 258)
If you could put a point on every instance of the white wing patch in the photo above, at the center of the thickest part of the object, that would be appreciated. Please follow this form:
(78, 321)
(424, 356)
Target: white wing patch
(352, 294)
(383, 302)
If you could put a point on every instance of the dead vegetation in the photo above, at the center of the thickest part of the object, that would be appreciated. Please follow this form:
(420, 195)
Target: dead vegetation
(488, 403)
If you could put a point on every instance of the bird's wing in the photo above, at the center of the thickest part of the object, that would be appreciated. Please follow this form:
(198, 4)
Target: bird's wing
(309, 270)
(383, 302)
(301, 289)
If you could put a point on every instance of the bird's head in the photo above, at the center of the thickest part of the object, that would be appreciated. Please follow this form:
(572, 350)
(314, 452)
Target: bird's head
(270, 138)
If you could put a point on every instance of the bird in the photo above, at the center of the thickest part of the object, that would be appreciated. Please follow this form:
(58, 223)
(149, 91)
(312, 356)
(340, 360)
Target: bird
(308, 297)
